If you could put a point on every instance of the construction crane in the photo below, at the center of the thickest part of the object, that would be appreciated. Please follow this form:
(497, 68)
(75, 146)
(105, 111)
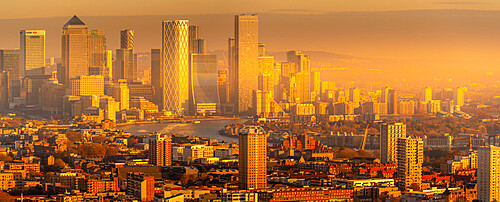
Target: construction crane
(362, 147)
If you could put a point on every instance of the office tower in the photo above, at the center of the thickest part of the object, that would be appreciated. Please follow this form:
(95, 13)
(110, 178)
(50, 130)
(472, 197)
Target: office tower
(194, 33)
(459, 96)
(125, 65)
(121, 93)
(52, 96)
(392, 101)
(156, 76)
(32, 52)
(277, 91)
(97, 48)
(246, 39)
(385, 94)
(141, 186)
(231, 75)
(175, 66)
(199, 46)
(252, 158)
(4, 91)
(10, 62)
(301, 61)
(204, 97)
(110, 107)
(315, 84)
(389, 135)
(222, 86)
(127, 39)
(488, 177)
(355, 95)
(266, 74)
(262, 50)
(410, 158)
(160, 150)
(33, 84)
(427, 94)
(87, 85)
(303, 86)
(74, 51)
(109, 64)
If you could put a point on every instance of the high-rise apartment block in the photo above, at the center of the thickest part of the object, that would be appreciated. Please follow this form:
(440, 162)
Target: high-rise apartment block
(32, 52)
(488, 177)
(160, 150)
(410, 158)
(141, 186)
(246, 40)
(427, 94)
(175, 66)
(389, 135)
(75, 52)
(253, 158)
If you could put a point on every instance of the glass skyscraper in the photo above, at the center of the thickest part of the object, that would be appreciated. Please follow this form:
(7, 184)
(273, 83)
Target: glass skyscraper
(203, 74)
(175, 64)
(75, 52)
(246, 60)
(32, 52)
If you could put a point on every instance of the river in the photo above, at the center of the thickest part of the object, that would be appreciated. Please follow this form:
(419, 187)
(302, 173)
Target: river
(208, 128)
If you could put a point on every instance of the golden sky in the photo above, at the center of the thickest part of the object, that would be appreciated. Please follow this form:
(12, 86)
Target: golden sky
(10, 9)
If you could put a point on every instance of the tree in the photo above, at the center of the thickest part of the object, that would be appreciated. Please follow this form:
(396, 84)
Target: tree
(5, 158)
(59, 163)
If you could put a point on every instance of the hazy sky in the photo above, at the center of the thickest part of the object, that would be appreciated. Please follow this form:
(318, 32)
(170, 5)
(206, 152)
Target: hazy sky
(10, 9)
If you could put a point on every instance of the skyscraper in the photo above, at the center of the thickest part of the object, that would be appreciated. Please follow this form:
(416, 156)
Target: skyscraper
(4, 91)
(75, 53)
(459, 96)
(127, 40)
(10, 62)
(156, 76)
(355, 95)
(302, 61)
(246, 42)
(488, 177)
(389, 135)
(125, 65)
(253, 158)
(160, 150)
(204, 97)
(175, 66)
(231, 77)
(32, 52)
(121, 93)
(427, 94)
(410, 158)
(194, 34)
(126, 58)
(109, 64)
(392, 102)
(97, 48)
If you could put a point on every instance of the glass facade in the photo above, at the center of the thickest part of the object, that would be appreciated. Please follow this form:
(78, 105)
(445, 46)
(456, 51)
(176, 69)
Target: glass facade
(175, 64)
(32, 52)
(203, 77)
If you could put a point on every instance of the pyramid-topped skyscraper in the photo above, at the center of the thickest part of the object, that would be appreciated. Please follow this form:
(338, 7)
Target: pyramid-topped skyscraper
(74, 51)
